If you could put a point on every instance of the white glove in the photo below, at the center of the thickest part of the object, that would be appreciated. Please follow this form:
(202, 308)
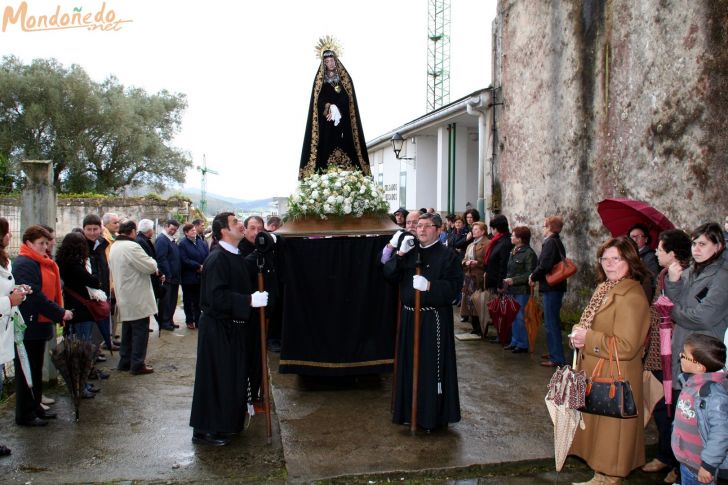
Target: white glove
(395, 239)
(259, 299)
(420, 283)
(273, 236)
(408, 242)
(335, 114)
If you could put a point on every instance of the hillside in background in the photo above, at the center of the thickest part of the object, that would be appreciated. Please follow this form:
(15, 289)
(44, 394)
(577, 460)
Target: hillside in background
(215, 203)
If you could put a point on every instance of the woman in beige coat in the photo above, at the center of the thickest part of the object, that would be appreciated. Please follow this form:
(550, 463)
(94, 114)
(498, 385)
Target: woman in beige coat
(618, 310)
(474, 270)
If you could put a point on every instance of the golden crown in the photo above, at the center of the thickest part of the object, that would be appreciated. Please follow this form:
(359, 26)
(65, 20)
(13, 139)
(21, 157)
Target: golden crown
(328, 43)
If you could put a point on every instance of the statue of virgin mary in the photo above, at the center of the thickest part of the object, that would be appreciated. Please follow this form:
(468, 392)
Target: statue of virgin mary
(334, 136)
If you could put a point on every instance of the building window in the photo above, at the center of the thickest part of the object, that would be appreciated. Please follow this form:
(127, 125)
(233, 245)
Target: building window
(403, 188)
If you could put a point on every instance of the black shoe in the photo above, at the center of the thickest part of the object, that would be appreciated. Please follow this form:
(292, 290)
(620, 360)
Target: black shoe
(519, 350)
(509, 347)
(35, 422)
(175, 325)
(210, 439)
(4, 450)
(151, 330)
(167, 327)
(46, 415)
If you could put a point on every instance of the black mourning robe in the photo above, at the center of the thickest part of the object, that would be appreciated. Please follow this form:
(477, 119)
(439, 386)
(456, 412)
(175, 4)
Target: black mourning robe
(326, 145)
(438, 401)
(219, 401)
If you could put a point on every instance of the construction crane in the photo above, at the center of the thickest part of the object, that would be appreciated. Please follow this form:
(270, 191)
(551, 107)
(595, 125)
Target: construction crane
(438, 54)
(203, 185)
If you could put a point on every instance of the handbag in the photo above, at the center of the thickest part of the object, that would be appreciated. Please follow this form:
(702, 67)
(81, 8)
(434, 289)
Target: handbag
(561, 271)
(609, 396)
(99, 310)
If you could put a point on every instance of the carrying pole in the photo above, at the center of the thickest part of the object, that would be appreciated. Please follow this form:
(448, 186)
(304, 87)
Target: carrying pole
(396, 349)
(264, 360)
(416, 349)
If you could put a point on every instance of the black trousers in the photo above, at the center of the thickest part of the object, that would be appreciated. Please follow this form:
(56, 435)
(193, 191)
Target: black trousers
(27, 401)
(168, 304)
(133, 349)
(191, 303)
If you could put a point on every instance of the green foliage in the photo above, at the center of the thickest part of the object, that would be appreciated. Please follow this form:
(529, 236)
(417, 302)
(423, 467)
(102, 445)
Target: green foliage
(181, 218)
(153, 196)
(82, 195)
(101, 137)
(180, 196)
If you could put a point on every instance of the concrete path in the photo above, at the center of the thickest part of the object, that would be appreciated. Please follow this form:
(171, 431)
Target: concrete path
(325, 430)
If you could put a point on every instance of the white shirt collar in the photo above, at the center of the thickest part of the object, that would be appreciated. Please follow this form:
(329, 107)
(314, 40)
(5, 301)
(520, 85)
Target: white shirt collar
(229, 247)
(436, 241)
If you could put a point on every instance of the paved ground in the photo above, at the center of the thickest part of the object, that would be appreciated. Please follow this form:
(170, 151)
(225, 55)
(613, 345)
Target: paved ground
(325, 430)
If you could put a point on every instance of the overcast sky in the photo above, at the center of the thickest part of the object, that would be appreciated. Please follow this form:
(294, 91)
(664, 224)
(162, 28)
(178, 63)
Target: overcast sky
(247, 69)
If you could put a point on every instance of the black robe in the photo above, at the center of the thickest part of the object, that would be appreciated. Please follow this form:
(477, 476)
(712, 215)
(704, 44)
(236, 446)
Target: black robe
(324, 144)
(220, 394)
(438, 370)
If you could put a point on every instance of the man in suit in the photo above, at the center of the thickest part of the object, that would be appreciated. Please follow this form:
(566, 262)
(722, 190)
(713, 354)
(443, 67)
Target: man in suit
(170, 266)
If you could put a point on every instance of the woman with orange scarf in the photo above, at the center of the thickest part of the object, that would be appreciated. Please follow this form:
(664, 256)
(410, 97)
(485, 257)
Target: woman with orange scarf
(40, 309)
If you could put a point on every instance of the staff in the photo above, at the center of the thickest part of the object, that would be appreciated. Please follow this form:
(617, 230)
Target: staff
(416, 347)
(264, 353)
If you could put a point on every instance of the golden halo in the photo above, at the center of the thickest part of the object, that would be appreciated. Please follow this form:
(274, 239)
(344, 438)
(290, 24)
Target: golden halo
(328, 43)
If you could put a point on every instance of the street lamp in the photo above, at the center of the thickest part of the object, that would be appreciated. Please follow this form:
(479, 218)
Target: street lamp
(397, 143)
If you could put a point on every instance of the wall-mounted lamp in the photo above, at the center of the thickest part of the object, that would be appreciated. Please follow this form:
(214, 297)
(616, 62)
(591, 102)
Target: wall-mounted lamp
(397, 143)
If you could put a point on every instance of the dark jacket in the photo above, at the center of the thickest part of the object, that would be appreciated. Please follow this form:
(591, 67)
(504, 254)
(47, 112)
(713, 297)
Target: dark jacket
(192, 255)
(552, 252)
(497, 267)
(521, 263)
(648, 256)
(168, 259)
(27, 272)
(75, 277)
(99, 263)
(148, 247)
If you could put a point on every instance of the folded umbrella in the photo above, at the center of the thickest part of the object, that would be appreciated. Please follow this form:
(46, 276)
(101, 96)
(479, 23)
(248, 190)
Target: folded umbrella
(503, 310)
(533, 317)
(663, 306)
(19, 328)
(74, 359)
(566, 394)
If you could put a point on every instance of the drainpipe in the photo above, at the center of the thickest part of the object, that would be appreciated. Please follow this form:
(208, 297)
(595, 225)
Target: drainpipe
(476, 107)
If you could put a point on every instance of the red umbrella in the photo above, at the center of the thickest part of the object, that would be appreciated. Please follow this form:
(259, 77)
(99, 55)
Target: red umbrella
(503, 310)
(618, 215)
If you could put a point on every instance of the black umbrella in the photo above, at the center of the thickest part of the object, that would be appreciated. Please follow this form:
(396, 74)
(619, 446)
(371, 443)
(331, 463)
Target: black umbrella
(74, 359)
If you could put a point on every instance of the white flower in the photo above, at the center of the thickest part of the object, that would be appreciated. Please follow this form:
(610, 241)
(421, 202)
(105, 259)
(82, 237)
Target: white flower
(331, 199)
(314, 194)
(339, 199)
(327, 208)
(347, 209)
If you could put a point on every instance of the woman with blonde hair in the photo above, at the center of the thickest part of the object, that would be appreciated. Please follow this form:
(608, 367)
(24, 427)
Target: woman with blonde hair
(617, 318)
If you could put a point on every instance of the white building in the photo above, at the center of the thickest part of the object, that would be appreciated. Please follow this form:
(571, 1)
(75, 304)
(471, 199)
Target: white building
(445, 161)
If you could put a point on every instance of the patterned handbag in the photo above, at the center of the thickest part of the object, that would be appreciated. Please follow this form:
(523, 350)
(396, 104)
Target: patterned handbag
(609, 396)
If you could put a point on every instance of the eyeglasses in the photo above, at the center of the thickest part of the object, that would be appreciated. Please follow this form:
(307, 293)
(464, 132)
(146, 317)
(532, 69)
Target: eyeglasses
(638, 236)
(613, 260)
(424, 226)
(689, 359)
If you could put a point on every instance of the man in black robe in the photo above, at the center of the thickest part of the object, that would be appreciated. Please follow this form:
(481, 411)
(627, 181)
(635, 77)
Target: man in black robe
(438, 401)
(226, 299)
(334, 135)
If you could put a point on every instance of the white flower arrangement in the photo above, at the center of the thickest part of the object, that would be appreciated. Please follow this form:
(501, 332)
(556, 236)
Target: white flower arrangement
(337, 193)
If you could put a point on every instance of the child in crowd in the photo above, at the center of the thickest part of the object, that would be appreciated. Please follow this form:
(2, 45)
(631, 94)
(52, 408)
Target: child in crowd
(700, 429)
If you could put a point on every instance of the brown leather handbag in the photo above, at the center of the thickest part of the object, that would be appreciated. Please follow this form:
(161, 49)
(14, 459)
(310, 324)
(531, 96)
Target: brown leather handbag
(561, 271)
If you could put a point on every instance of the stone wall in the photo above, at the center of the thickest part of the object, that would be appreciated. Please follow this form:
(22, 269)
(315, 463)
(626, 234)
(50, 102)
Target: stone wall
(611, 99)
(70, 212)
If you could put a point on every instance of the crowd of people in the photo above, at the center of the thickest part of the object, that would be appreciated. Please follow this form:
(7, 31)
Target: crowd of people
(122, 263)
(436, 264)
(619, 321)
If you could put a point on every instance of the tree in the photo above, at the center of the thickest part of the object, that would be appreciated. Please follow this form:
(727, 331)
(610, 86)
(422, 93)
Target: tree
(101, 137)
